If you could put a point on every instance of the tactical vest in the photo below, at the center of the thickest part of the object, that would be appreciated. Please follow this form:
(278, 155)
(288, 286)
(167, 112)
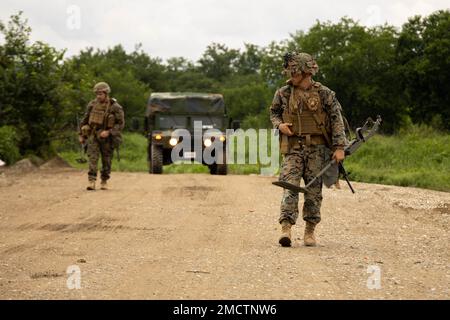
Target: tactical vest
(306, 113)
(100, 116)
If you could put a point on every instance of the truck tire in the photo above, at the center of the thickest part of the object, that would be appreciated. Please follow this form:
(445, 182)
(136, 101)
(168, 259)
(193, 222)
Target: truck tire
(222, 169)
(156, 162)
(213, 169)
(219, 169)
(149, 157)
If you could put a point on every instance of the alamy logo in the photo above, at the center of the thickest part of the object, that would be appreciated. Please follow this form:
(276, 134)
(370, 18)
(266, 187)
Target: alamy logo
(235, 147)
(374, 280)
(74, 279)
(74, 17)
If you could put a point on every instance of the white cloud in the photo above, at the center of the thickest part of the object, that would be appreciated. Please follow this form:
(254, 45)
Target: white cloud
(169, 28)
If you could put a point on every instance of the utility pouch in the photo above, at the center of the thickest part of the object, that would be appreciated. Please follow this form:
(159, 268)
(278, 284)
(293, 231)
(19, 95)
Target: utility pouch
(96, 117)
(284, 144)
(111, 120)
(291, 118)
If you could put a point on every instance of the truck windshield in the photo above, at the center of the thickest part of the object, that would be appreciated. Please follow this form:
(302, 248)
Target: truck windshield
(208, 122)
(171, 122)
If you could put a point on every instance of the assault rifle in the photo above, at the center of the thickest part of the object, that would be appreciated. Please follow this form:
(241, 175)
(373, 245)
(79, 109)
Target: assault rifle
(362, 135)
(83, 147)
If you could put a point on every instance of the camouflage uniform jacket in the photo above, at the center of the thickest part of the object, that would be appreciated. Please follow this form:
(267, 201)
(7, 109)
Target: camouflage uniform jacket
(115, 109)
(330, 104)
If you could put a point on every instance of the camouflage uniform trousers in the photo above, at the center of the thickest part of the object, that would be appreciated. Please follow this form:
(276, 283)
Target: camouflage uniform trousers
(100, 147)
(303, 162)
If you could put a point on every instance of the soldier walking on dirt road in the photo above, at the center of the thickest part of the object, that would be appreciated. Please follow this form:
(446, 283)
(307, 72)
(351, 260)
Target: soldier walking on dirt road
(101, 127)
(311, 126)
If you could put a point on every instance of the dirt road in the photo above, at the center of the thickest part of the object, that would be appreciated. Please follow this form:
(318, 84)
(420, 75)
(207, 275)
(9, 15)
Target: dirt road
(207, 237)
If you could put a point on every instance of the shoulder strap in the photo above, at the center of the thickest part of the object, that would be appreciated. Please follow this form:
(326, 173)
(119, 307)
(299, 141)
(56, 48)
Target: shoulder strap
(318, 122)
(321, 126)
(90, 106)
(105, 118)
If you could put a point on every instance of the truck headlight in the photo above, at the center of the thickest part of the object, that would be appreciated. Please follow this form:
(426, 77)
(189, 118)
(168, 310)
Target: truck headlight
(158, 137)
(207, 143)
(222, 138)
(173, 142)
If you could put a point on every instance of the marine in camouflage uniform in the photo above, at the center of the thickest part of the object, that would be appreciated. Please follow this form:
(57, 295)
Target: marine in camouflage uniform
(101, 127)
(316, 133)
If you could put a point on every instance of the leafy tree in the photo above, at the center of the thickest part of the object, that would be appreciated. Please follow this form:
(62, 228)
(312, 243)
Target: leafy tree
(272, 62)
(424, 65)
(218, 61)
(359, 64)
(249, 62)
(9, 151)
(149, 71)
(247, 100)
(403, 75)
(31, 93)
(124, 72)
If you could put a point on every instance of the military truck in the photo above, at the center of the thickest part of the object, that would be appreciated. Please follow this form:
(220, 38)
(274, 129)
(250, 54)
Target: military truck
(167, 112)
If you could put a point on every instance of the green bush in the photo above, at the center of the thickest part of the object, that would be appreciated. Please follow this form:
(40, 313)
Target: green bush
(419, 157)
(9, 152)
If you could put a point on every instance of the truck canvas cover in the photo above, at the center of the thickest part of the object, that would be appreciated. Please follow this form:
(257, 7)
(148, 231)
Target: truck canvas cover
(186, 103)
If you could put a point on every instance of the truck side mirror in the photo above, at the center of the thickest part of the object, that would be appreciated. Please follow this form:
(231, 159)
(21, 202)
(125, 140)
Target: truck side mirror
(236, 124)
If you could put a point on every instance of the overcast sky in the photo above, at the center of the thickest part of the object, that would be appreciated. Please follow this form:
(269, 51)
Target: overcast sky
(168, 28)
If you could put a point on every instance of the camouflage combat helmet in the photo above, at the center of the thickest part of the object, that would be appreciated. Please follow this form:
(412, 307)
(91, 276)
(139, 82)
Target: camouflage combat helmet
(296, 62)
(102, 86)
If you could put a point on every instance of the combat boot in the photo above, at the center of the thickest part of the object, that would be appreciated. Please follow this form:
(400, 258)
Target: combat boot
(309, 238)
(285, 239)
(104, 185)
(91, 186)
(338, 185)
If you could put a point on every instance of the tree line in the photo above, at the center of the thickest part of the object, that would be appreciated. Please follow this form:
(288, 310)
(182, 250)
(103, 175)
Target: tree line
(402, 74)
